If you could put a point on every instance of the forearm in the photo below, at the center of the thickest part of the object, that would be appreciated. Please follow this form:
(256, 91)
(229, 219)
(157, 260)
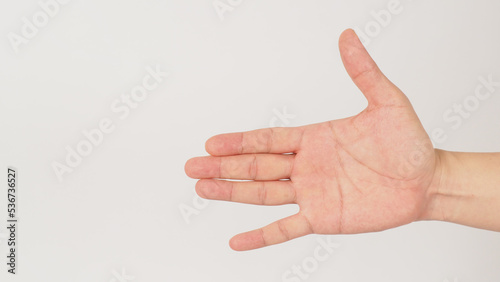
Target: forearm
(466, 190)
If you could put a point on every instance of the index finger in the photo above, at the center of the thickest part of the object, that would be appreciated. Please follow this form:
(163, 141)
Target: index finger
(277, 140)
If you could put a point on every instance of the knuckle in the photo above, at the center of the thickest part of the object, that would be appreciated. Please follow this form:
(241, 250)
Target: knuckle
(262, 194)
(283, 230)
(253, 168)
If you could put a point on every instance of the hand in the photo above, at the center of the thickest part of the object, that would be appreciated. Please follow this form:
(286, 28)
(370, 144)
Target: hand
(366, 173)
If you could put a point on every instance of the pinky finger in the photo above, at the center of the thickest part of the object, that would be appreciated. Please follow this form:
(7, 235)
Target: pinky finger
(275, 233)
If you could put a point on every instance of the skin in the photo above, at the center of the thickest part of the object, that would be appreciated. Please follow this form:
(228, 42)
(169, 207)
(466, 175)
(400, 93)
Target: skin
(370, 172)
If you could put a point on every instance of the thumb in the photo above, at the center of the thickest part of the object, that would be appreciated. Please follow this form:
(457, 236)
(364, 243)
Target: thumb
(365, 73)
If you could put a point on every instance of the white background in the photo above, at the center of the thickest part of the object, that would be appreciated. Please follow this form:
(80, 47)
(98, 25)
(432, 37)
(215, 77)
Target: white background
(118, 212)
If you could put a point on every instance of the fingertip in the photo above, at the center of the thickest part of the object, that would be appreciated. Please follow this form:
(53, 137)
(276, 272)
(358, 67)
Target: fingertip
(210, 145)
(347, 34)
(233, 244)
(239, 243)
(201, 187)
(188, 167)
(200, 167)
(349, 42)
(217, 145)
(247, 241)
(224, 144)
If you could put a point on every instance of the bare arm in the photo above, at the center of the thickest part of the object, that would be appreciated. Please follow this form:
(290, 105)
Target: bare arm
(466, 190)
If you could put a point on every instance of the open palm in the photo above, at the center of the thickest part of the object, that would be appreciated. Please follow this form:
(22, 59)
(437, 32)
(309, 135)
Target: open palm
(365, 173)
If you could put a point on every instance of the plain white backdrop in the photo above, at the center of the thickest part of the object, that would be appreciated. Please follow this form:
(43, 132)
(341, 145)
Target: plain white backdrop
(127, 212)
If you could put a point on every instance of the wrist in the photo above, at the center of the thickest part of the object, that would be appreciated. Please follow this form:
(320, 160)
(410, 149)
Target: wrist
(465, 190)
(439, 196)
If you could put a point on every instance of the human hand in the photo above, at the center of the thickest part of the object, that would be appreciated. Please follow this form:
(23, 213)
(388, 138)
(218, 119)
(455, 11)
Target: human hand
(366, 173)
